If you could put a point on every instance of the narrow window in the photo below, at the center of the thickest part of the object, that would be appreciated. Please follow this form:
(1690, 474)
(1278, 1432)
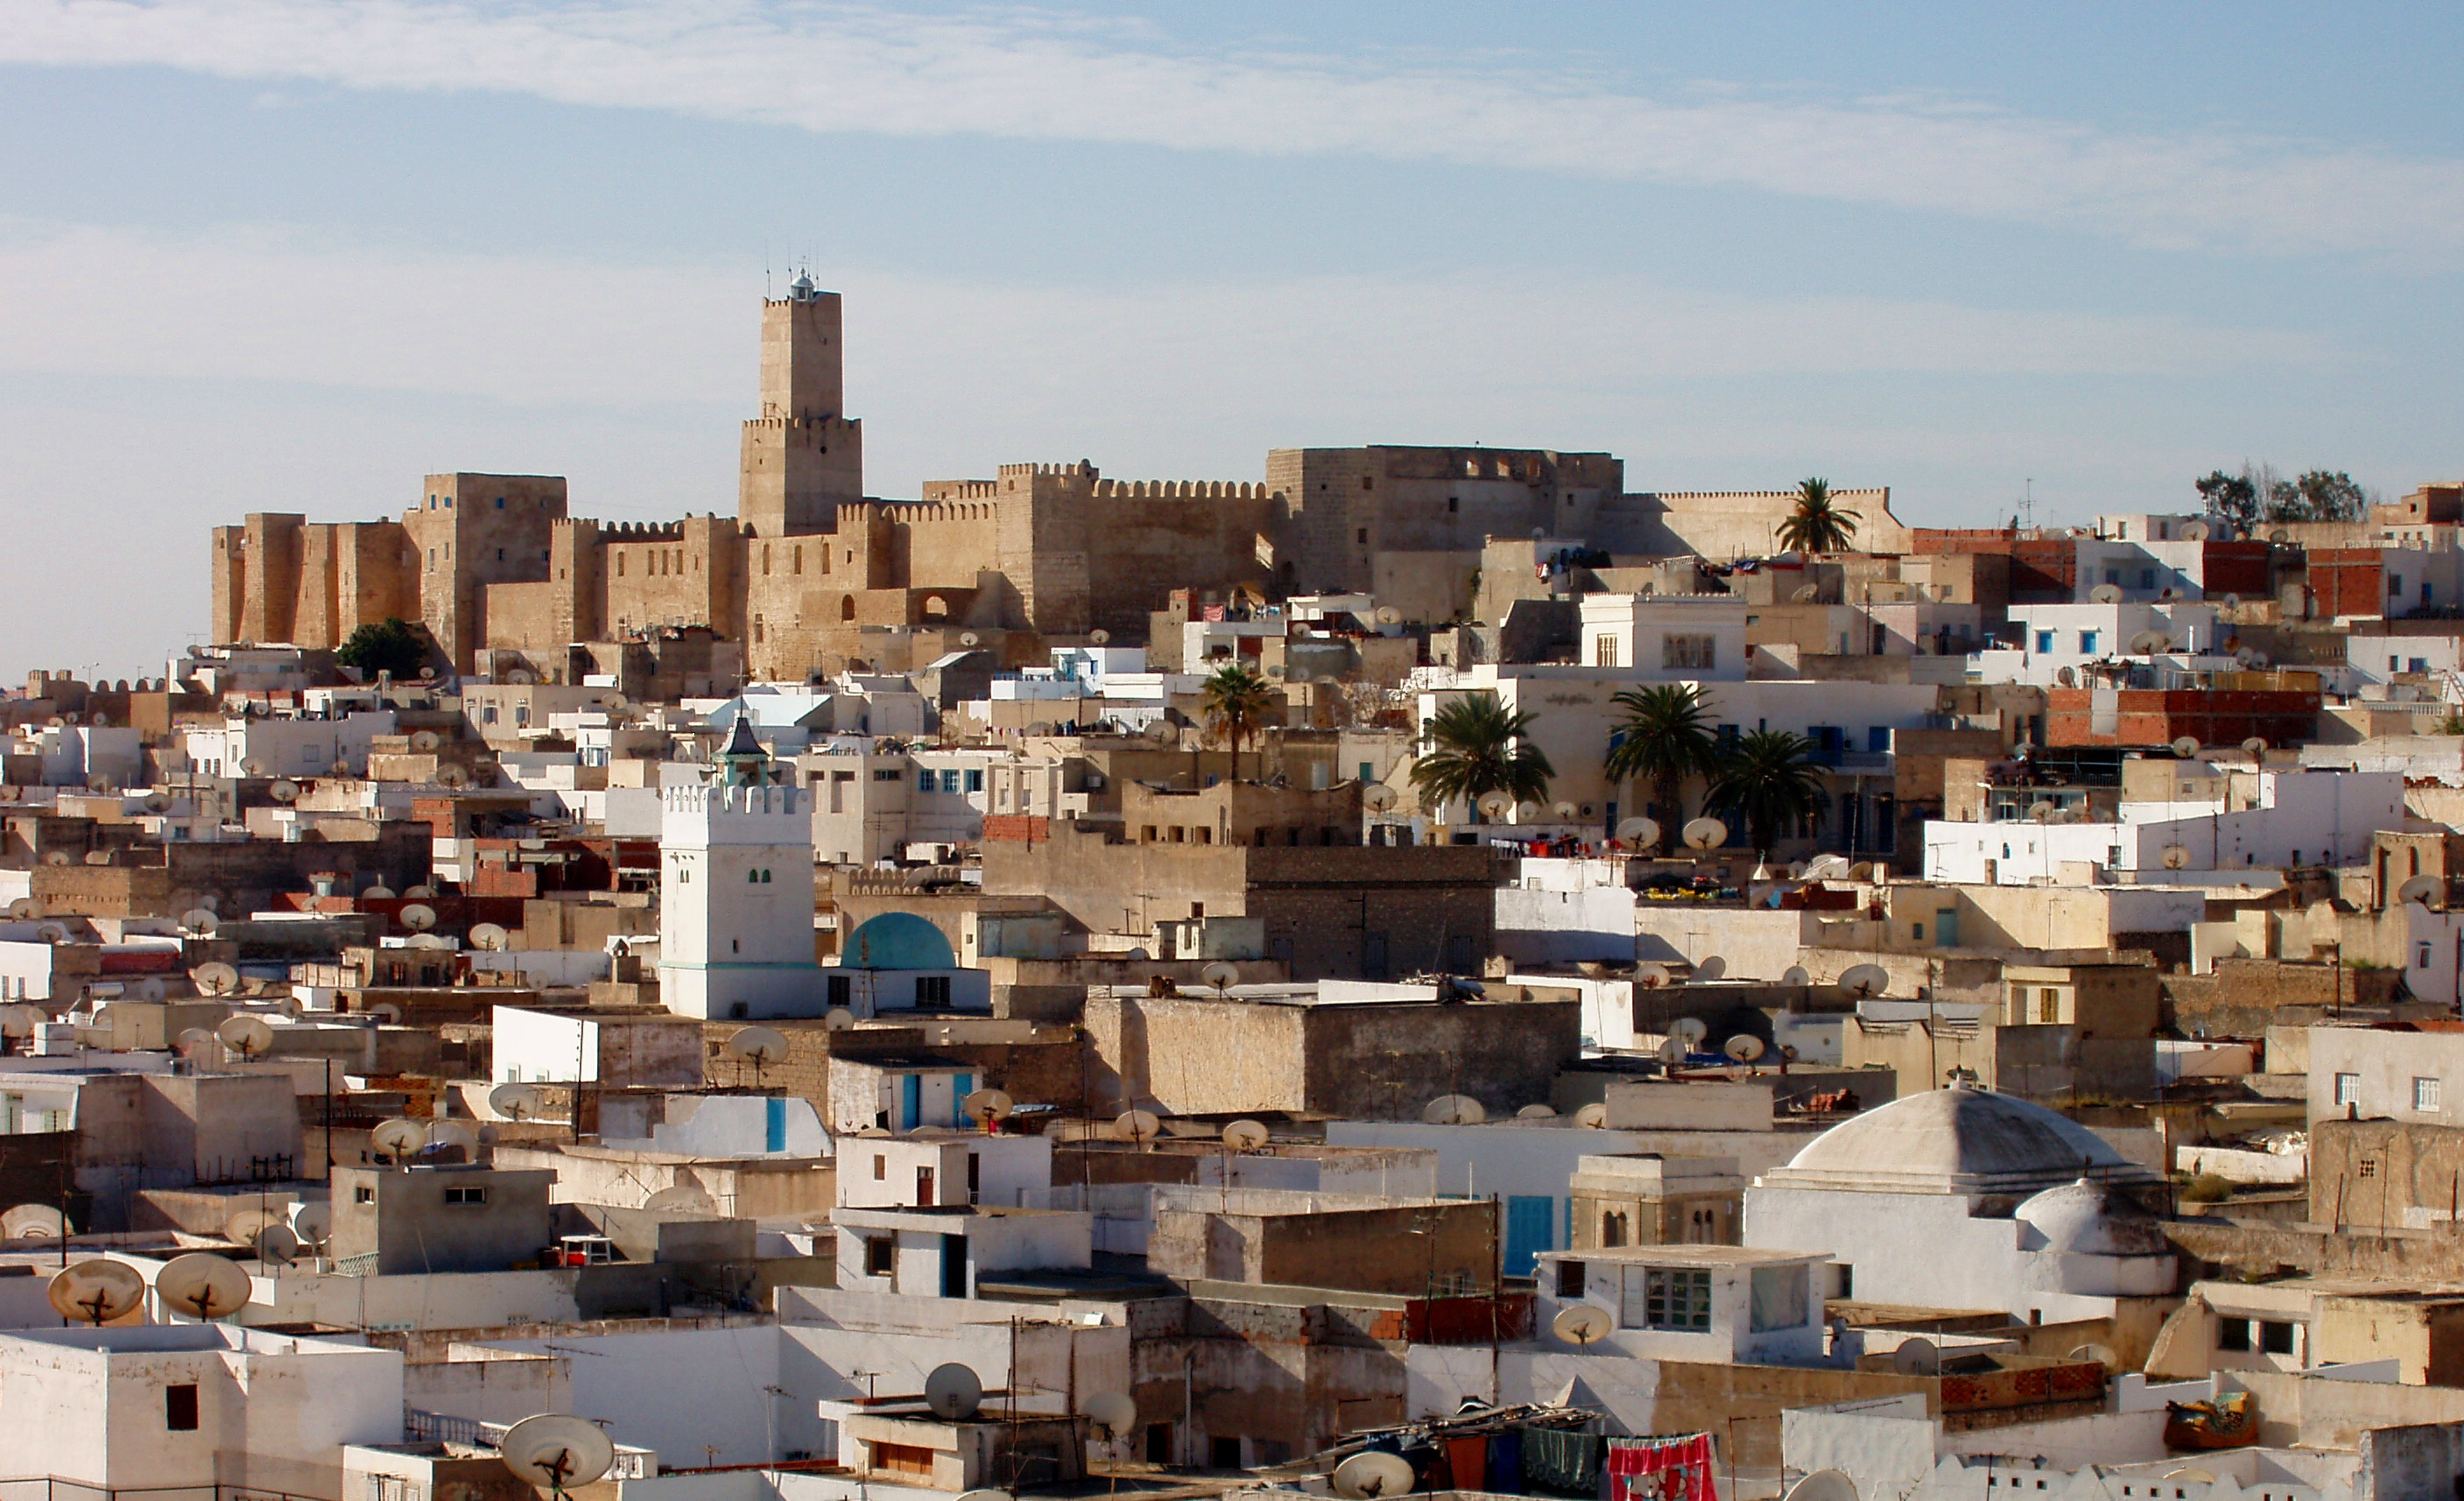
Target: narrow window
(180, 1407)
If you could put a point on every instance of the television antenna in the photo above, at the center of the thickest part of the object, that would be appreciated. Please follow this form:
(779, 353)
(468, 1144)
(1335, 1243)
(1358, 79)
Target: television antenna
(953, 1392)
(1582, 1324)
(97, 1291)
(1454, 1110)
(1246, 1136)
(202, 1285)
(557, 1452)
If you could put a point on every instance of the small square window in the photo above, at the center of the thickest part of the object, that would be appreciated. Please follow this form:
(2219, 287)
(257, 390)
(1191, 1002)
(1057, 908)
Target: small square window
(2275, 1338)
(880, 1254)
(2348, 1089)
(2425, 1093)
(180, 1407)
(363, 1195)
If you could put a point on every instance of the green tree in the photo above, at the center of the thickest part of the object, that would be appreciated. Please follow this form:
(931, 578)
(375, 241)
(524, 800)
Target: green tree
(394, 645)
(2331, 496)
(1479, 750)
(2231, 498)
(1237, 701)
(1819, 524)
(1766, 780)
(1663, 738)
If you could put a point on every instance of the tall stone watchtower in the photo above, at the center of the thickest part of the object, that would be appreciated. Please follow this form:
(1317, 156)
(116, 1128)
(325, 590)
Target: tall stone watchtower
(801, 456)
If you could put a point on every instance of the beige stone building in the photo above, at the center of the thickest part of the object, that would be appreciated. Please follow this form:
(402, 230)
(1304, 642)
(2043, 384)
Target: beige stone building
(811, 576)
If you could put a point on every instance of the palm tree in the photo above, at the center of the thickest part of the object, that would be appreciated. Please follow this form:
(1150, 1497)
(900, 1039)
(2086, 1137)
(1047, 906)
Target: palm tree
(1237, 701)
(1479, 750)
(1663, 739)
(1818, 524)
(1766, 780)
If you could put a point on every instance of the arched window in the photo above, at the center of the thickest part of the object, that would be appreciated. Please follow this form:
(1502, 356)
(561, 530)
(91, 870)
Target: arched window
(1613, 1228)
(752, 877)
(846, 607)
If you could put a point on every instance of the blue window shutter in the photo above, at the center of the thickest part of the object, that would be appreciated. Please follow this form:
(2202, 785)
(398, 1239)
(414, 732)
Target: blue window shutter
(1529, 1220)
(960, 1086)
(774, 1134)
(910, 1102)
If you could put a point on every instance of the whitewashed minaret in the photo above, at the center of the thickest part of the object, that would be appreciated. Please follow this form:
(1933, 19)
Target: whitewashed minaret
(735, 893)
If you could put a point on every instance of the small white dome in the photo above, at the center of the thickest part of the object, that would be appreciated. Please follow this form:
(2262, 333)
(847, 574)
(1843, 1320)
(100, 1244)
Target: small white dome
(2089, 1219)
(1958, 1141)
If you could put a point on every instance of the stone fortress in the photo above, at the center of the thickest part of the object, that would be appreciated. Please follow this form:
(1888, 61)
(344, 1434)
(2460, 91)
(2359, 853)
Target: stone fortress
(812, 576)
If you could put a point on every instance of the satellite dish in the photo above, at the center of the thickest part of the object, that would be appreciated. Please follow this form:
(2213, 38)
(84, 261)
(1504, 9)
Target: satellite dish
(2042, 812)
(1709, 968)
(20, 1019)
(1389, 615)
(1137, 1125)
(194, 1042)
(26, 909)
(244, 1035)
(418, 916)
(399, 1137)
(2148, 643)
(1796, 975)
(1706, 833)
(1671, 1052)
(452, 777)
(2258, 659)
(1454, 1110)
(97, 1291)
(1379, 799)
(1745, 1048)
(285, 790)
(1565, 811)
(758, 1045)
(967, 638)
(1805, 593)
(2175, 857)
(1581, 1324)
(2428, 890)
(1639, 830)
(2186, 746)
(254, 766)
(242, 1229)
(214, 978)
(680, 1199)
(426, 741)
(2067, 676)
(56, 857)
(1593, 1117)
(1372, 1473)
(1689, 1029)
(152, 988)
(1823, 1485)
(839, 1019)
(1863, 982)
(276, 1245)
(1650, 976)
(1536, 1113)
(492, 936)
(1099, 635)
(1220, 975)
(202, 1285)
(2107, 594)
(447, 1135)
(35, 1221)
(312, 1222)
(984, 1107)
(1497, 805)
(557, 1452)
(516, 1101)
(197, 922)
(1917, 1357)
(53, 933)
(419, 894)
(1113, 1412)
(2101, 1355)
(384, 1013)
(376, 892)
(2194, 532)
(2256, 746)
(953, 1392)
(1246, 1135)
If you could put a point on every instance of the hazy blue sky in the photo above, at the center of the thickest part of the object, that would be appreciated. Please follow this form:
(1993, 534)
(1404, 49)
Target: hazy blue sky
(271, 255)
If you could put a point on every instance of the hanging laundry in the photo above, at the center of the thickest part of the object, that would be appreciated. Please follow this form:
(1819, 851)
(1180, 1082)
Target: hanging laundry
(1666, 1469)
(1468, 1459)
(1559, 1462)
(1505, 1463)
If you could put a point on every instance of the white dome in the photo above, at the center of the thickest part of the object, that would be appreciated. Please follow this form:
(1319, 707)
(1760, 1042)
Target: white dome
(1958, 1141)
(2089, 1219)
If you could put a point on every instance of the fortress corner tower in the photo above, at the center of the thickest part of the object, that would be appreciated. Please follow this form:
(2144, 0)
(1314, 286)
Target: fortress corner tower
(803, 456)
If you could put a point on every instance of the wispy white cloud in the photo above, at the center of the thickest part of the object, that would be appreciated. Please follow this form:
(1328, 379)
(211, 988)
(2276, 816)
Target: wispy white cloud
(1043, 75)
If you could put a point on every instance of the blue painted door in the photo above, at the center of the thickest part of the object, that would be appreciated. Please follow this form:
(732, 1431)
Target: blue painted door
(910, 1102)
(775, 1125)
(1530, 1229)
(960, 1086)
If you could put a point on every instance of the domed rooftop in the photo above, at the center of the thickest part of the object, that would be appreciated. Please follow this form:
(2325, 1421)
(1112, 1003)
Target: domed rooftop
(2091, 1219)
(1958, 1141)
(897, 941)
